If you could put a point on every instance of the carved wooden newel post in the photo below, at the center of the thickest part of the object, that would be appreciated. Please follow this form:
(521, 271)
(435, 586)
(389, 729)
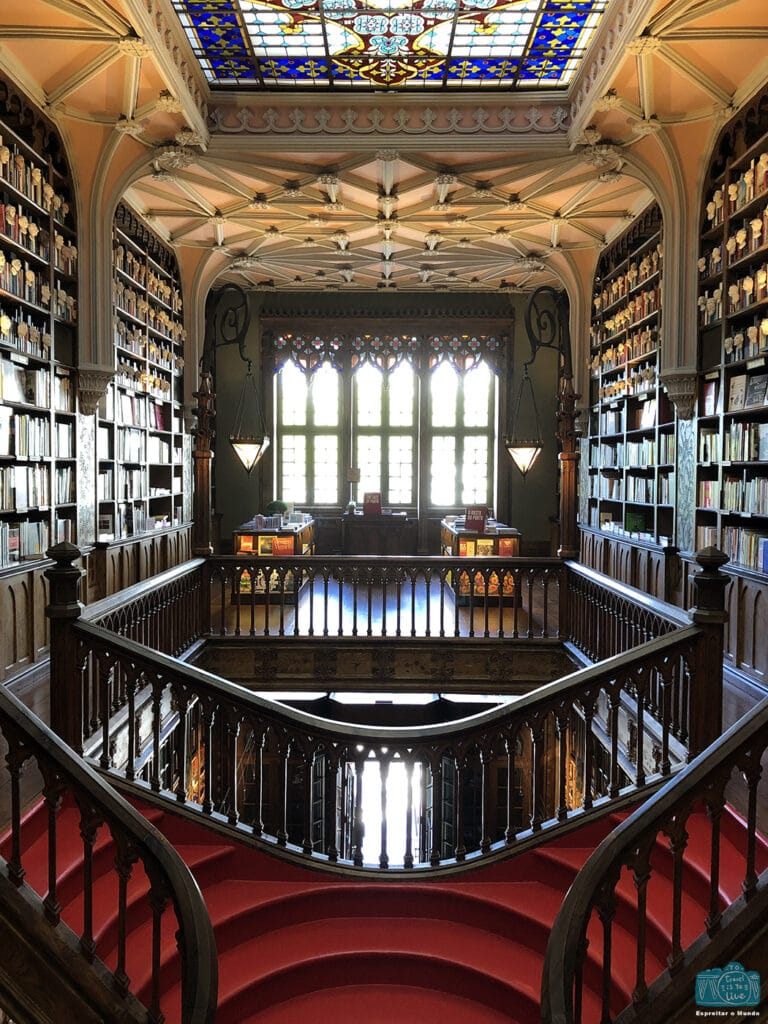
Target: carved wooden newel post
(66, 689)
(706, 693)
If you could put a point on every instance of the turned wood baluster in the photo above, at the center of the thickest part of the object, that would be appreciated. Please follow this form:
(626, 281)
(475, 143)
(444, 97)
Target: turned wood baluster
(15, 757)
(714, 804)
(666, 697)
(232, 725)
(578, 979)
(641, 874)
(529, 591)
(157, 693)
(614, 699)
(90, 823)
(283, 752)
(510, 832)
(158, 901)
(208, 717)
(562, 722)
(412, 574)
(538, 754)
(588, 704)
(678, 841)
(606, 911)
(258, 738)
(103, 671)
(308, 760)
(436, 767)
(131, 686)
(428, 599)
(384, 584)
(640, 692)
(443, 592)
(124, 862)
(331, 804)
(457, 581)
(340, 585)
(408, 856)
(459, 849)
(181, 706)
(488, 822)
(752, 772)
(357, 824)
(383, 776)
(398, 601)
(355, 575)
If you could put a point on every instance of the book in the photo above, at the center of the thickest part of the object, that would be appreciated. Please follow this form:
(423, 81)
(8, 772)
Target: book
(762, 442)
(506, 547)
(265, 544)
(737, 392)
(484, 546)
(282, 545)
(709, 398)
(648, 414)
(756, 389)
(474, 518)
(372, 503)
(466, 547)
(245, 544)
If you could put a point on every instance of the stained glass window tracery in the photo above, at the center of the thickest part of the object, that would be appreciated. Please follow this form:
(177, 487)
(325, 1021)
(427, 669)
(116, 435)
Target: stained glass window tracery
(390, 43)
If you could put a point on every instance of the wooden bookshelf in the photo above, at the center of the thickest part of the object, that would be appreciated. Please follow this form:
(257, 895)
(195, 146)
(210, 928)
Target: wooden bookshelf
(631, 444)
(38, 336)
(732, 426)
(140, 484)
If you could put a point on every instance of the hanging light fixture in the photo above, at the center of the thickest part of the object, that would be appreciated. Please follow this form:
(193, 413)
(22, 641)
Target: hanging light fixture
(524, 449)
(249, 435)
(227, 320)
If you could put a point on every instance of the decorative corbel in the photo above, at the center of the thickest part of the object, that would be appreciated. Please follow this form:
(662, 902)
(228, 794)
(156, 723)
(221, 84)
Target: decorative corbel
(680, 385)
(92, 384)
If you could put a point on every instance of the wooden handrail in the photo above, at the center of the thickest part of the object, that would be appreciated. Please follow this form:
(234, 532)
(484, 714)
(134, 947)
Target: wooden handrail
(169, 877)
(702, 782)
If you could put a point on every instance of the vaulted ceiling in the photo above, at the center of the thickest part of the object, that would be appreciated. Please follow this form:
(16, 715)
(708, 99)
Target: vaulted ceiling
(487, 190)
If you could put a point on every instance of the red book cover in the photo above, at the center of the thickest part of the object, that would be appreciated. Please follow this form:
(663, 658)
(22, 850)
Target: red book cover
(372, 503)
(474, 518)
(282, 546)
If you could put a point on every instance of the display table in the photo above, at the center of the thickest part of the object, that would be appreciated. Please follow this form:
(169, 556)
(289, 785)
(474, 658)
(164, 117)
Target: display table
(496, 541)
(285, 541)
(378, 534)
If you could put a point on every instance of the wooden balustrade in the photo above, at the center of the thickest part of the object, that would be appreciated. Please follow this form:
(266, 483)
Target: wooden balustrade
(295, 780)
(145, 860)
(636, 849)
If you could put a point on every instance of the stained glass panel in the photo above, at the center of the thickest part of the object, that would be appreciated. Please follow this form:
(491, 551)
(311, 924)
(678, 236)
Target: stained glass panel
(390, 43)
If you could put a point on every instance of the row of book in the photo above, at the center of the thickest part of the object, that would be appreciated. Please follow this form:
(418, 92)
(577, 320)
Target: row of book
(24, 230)
(637, 273)
(64, 485)
(747, 290)
(744, 442)
(746, 547)
(24, 436)
(30, 179)
(738, 494)
(131, 483)
(747, 391)
(23, 487)
(19, 541)
(20, 331)
(749, 495)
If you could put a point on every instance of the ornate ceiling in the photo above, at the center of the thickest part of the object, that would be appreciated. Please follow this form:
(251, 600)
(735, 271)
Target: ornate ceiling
(478, 189)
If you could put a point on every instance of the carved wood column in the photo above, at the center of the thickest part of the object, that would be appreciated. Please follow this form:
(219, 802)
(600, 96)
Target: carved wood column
(202, 504)
(569, 469)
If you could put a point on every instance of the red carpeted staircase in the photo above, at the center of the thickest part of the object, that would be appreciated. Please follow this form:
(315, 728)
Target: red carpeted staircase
(296, 944)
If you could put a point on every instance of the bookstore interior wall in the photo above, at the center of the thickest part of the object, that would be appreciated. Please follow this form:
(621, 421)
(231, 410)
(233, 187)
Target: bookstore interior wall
(141, 486)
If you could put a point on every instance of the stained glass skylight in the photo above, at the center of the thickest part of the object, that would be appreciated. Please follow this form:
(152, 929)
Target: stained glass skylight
(385, 44)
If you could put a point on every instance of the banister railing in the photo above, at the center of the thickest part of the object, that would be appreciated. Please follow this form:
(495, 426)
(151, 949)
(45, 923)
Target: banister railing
(297, 780)
(103, 813)
(583, 935)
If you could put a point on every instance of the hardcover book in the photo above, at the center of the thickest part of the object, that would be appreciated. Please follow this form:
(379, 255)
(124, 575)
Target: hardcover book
(737, 392)
(756, 388)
